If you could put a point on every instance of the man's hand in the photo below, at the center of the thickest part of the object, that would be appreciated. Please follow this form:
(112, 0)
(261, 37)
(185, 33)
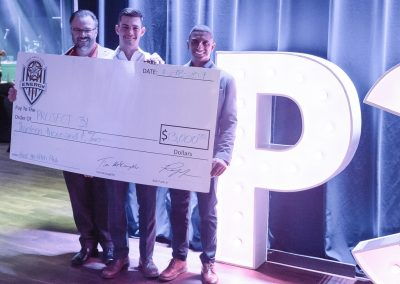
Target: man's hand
(12, 94)
(218, 167)
(154, 59)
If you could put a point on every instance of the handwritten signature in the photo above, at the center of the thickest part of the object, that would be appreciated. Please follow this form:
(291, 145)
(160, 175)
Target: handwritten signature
(113, 163)
(176, 169)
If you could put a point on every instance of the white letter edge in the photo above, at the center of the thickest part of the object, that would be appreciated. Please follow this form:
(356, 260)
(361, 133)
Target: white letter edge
(385, 93)
(379, 258)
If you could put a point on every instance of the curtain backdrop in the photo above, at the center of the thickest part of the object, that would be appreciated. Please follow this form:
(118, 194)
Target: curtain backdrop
(363, 38)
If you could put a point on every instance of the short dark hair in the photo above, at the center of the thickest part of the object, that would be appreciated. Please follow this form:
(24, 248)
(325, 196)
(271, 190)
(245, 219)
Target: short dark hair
(130, 12)
(201, 28)
(84, 13)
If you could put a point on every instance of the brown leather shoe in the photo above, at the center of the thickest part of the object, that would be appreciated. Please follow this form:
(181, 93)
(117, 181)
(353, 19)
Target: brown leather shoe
(115, 267)
(174, 269)
(148, 268)
(208, 274)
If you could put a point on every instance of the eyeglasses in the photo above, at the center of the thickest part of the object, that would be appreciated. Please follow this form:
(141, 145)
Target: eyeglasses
(86, 31)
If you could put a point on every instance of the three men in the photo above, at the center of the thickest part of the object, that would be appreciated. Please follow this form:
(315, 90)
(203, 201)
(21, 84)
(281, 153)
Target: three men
(97, 195)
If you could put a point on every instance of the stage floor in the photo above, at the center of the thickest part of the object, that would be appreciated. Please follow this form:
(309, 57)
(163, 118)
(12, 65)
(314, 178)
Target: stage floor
(38, 239)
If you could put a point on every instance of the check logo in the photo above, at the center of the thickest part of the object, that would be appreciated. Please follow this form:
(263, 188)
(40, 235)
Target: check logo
(33, 80)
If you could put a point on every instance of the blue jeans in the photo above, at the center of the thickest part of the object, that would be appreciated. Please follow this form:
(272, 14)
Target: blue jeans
(132, 212)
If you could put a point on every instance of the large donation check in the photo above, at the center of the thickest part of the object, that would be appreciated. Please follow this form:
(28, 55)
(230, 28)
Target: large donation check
(136, 122)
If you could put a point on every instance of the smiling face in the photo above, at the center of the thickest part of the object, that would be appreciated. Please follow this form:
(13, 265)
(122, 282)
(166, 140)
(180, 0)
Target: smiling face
(84, 33)
(201, 44)
(129, 31)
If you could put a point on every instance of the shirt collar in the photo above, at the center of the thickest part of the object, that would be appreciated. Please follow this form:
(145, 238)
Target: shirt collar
(119, 54)
(208, 64)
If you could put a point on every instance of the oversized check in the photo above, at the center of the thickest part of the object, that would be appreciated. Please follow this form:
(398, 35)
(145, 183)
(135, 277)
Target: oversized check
(136, 122)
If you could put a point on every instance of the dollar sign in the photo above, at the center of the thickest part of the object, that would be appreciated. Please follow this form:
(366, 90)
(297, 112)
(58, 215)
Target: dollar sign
(164, 135)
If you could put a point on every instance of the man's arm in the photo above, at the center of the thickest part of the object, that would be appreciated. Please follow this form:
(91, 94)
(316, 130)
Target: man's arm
(226, 129)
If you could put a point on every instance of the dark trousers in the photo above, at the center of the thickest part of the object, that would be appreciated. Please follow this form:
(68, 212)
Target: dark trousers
(89, 201)
(117, 195)
(146, 197)
(207, 203)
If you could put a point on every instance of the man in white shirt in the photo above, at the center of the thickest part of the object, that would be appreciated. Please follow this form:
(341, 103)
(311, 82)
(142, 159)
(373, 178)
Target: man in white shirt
(130, 29)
